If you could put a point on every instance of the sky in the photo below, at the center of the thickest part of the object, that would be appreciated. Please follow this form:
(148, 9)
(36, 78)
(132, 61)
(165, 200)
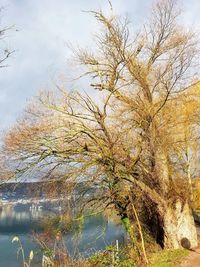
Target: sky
(41, 32)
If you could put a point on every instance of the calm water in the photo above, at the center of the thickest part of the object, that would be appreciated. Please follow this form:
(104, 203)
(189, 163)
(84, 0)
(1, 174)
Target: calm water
(20, 220)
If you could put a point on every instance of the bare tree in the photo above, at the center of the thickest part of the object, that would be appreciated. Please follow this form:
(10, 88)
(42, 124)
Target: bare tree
(4, 52)
(130, 146)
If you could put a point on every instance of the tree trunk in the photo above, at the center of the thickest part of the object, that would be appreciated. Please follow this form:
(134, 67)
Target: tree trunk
(179, 228)
(178, 224)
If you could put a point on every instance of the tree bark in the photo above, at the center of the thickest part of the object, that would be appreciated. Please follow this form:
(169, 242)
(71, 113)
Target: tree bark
(179, 228)
(178, 224)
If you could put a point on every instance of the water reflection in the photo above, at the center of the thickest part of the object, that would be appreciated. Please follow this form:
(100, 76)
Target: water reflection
(22, 220)
(19, 219)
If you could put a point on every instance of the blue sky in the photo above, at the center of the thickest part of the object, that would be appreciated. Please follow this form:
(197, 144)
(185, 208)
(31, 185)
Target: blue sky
(44, 27)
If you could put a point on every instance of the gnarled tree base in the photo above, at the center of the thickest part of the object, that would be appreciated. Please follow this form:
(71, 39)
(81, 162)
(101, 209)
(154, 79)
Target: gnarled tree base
(179, 228)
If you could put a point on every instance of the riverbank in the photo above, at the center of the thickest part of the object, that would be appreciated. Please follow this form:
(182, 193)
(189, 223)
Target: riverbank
(101, 241)
(159, 258)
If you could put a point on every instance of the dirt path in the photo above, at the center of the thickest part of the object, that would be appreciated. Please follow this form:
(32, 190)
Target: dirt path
(193, 259)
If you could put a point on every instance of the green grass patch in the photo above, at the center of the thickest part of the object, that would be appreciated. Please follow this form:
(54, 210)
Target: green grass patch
(167, 258)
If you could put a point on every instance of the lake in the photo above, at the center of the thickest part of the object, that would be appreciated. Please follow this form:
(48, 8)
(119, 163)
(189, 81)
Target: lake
(21, 220)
